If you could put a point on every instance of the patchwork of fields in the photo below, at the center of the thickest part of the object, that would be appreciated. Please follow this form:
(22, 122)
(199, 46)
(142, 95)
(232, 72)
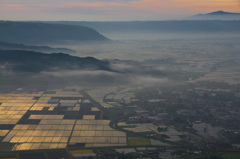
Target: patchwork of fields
(54, 120)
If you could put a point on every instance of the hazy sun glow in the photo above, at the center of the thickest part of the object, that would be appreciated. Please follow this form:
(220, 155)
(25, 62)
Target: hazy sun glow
(110, 9)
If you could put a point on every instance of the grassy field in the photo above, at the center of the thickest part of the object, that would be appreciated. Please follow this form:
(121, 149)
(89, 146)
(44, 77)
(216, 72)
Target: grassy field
(114, 112)
(139, 142)
(189, 156)
(81, 152)
(50, 92)
(128, 126)
(233, 155)
(2, 137)
(8, 155)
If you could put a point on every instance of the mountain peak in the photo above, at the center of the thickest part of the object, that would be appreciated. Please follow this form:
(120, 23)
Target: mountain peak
(220, 12)
(218, 15)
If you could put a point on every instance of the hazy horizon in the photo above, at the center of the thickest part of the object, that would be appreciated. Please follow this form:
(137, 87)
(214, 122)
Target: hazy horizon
(114, 10)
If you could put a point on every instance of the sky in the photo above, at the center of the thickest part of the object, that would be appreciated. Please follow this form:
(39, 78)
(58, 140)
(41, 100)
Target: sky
(110, 10)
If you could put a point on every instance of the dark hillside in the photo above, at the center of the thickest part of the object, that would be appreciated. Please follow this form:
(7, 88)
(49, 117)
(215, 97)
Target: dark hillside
(45, 49)
(29, 61)
(32, 32)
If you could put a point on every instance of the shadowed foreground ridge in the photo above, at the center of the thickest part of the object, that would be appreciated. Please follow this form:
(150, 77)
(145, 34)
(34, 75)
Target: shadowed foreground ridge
(29, 32)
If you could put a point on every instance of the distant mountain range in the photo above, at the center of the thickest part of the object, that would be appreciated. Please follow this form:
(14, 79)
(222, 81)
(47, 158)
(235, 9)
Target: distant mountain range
(218, 15)
(45, 49)
(35, 62)
(170, 26)
(43, 33)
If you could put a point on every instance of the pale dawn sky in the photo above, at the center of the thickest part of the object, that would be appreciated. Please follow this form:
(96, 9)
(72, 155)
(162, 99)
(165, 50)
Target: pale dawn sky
(110, 10)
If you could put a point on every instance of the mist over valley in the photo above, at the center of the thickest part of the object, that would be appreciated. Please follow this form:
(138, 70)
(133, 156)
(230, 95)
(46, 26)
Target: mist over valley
(148, 57)
(120, 89)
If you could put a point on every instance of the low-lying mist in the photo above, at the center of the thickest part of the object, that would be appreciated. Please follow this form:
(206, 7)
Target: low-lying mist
(144, 46)
(60, 78)
(180, 56)
(142, 60)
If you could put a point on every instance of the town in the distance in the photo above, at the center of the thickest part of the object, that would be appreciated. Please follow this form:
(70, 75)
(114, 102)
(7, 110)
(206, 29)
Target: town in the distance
(191, 120)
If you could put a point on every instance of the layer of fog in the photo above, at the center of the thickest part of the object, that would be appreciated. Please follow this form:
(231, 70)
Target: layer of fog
(144, 46)
(61, 78)
(195, 54)
(144, 60)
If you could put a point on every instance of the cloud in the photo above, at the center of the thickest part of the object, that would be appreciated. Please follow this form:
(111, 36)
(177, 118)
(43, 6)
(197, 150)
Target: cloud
(121, 66)
(69, 73)
(131, 75)
(98, 4)
(4, 71)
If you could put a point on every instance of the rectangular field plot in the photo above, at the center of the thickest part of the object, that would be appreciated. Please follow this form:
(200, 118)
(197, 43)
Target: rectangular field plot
(138, 142)
(94, 109)
(39, 146)
(3, 132)
(104, 145)
(43, 139)
(37, 122)
(92, 122)
(11, 114)
(76, 108)
(57, 122)
(14, 106)
(96, 133)
(88, 117)
(6, 121)
(46, 117)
